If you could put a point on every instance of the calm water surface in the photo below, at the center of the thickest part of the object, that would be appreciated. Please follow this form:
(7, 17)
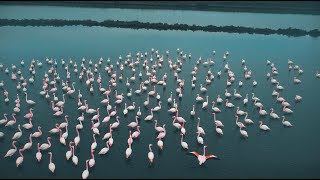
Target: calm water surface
(280, 153)
(274, 21)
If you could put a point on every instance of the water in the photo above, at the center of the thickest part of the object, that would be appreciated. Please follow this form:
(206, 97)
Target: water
(274, 21)
(280, 153)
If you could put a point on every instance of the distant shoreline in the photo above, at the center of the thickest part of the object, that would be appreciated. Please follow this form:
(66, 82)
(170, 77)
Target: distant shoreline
(284, 7)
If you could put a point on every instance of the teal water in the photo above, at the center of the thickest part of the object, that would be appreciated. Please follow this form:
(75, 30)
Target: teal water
(280, 153)
(275, 21)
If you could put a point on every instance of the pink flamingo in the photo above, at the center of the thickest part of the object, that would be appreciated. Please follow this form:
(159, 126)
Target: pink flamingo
(29, 115)
(130, 140)
(37, 134)
(239, 124)
(96, 116)
(59, 113)
(136, 133)
(46, 146)
(2, 121)
(29, 144)
(217, 122)
(39, 155)
(202, 158)
(12, 151)
(20, 159)
(62, 140)
(54, 108)
(64, 124)
(134, 124)
(108, 135)
(77, 139)
(92, 161)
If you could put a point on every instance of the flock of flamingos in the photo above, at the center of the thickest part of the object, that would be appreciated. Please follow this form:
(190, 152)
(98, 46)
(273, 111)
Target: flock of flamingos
(149, 65)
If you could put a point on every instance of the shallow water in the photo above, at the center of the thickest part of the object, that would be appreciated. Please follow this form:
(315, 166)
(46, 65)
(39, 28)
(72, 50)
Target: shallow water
(261, 20)
(280, 153)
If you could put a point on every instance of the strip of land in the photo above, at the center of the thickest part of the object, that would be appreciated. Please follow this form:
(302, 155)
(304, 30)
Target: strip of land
(158, 26)
(280, 7)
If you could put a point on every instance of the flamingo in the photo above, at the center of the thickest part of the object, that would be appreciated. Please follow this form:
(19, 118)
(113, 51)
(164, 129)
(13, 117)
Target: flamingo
(286, 123)
(28, 125)
(108, 135)
(105, 149)
(202, 158)
(139, 112)
(136, 133)
(160, 143)
(183, 144)
(179, 118)
(37, 134)
(219, 123)
(17, 135)
(69, 153)
(128, 151)
(59, 113)
(29, 115)
(170, 98)
(125, 111)
(85, 173)
(199, 128)
(243, 132)
(55, 130)
(62, 140)
(262, 112)
(151, 93)
(228, 104)
(46, 146)
(246, 120)
(94, 143)
(30, 102)
(162, 134)
(273, 115)
(199, 98)
(237, 95)
(11, 151)
(287, 110)
(74, 157)
(239, 124)
(115, 124)
(29, 144)
(219, 99)
(38, 154)
(64, 124)
(149, 117)
(218, 130)
(130, 140)
(150, 154)
(192, 113)
(199, 138)
(52, 166)
(205, 104)
(157, 108)
(2, 121)
(131, 107)
(54, 108)
(158, 128)
(240, 112)
(92, 161)
(215, 109)
(263, 127)
(19, 159)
